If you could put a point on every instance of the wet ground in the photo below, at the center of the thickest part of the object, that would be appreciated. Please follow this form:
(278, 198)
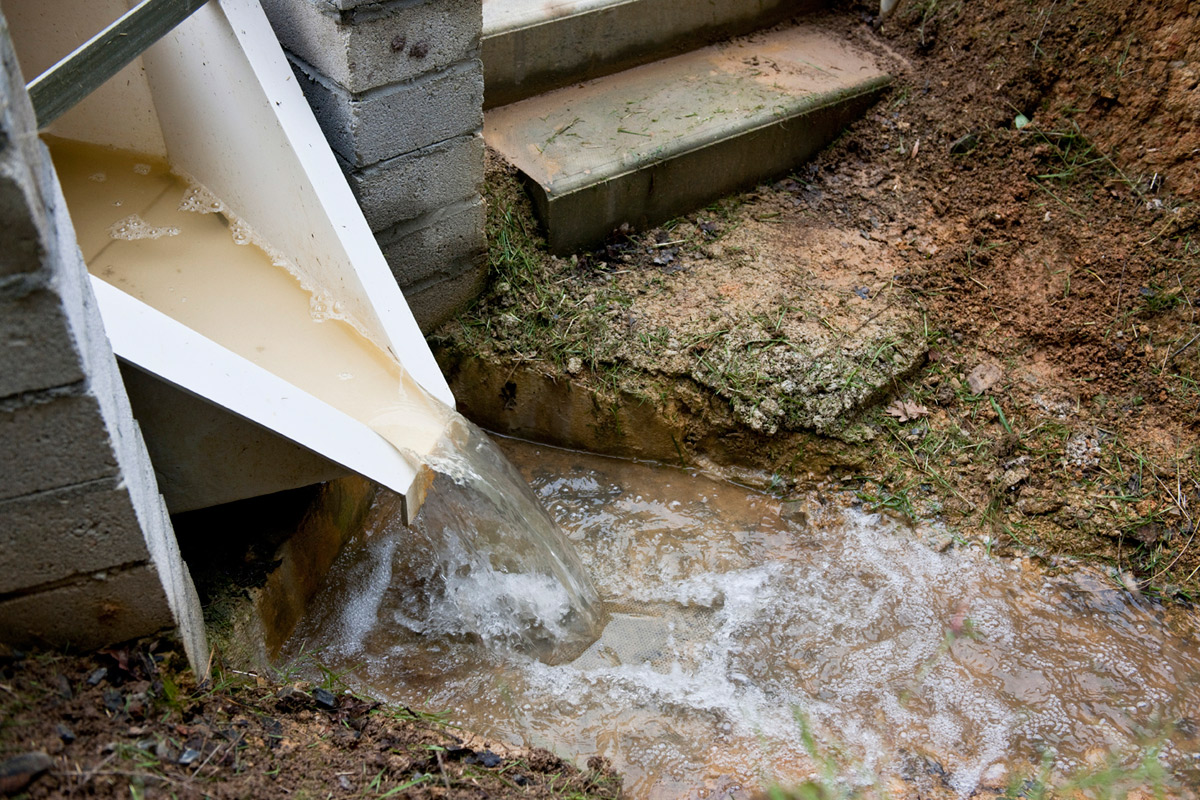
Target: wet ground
(738, 625)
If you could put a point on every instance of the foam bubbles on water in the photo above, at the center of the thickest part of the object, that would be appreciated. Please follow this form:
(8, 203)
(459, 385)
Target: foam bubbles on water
(134, 227)
(199, 200)
(728, 626)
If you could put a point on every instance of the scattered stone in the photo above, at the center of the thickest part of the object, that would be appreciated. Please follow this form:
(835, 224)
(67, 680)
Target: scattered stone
(18, 772)
(97, 676)
(189, 756)
(63, 686)
(1083, 449)
(1150, 533)
(66, 734)
(574, 365)
(983, 377)
(943, 543)
(290, 697)
(1036, 505)
(114, 701)
(325, 698)
(488, 759)
(795, 511)
(1014, 476)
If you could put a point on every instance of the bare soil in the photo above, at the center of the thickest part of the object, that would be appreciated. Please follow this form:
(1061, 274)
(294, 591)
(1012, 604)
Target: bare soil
(978, 305)
(132, 722)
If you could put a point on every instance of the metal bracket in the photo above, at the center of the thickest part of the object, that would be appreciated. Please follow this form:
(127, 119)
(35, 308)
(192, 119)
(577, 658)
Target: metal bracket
(80, 73)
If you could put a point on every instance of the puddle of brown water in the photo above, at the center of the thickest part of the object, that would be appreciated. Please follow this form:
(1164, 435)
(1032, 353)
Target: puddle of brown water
(729, 625)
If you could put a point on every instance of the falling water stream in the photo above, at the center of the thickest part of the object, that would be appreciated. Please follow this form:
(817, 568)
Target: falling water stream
(730, 628)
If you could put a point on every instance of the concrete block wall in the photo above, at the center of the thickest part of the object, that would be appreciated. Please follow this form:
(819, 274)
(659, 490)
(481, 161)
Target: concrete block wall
(87, 553)
(397, 86)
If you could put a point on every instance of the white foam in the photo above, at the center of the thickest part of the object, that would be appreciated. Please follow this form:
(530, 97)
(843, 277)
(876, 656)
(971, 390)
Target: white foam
(134, 227)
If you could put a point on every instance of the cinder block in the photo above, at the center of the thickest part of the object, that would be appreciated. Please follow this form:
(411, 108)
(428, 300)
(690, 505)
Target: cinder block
(434, 303)
(414, 184)
(22, 219)
(369, 45)
(53, 535)
(370, 127)
(94, 611)
(23, 223)
(53, 440)
(438, 246)
(37, 350)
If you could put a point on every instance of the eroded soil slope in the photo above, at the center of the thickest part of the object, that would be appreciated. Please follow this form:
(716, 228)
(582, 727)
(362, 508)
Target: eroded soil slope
(979, 303)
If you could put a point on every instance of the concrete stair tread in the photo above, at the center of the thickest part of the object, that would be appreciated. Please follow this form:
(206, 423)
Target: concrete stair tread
(504, 15)
(781, 95)
(533, 46)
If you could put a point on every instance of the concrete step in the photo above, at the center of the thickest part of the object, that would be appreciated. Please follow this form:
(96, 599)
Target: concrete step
(650, 143)
(533, 46)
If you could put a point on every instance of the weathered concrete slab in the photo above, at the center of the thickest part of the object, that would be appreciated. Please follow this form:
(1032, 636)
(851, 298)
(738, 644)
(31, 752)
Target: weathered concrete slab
(647, 144)
(533, 46)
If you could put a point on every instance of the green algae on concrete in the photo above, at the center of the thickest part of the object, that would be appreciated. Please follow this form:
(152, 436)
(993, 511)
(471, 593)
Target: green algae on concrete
(644, 145)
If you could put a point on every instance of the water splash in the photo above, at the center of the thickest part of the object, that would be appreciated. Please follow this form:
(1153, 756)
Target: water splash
(483, 561)
(728, 624)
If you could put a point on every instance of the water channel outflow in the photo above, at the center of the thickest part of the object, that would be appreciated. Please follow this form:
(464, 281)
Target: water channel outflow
(217, 100)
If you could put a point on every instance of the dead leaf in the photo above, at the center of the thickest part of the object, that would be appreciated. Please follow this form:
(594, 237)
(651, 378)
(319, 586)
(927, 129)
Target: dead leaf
(906, 410)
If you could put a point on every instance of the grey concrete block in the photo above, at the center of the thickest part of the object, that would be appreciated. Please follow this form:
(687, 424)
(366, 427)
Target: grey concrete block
(37, 350)
(414, 184)
(22, 222)
(366, 46)
(438, 246)
(53, 440)
(369, 127)
(438, 302)
(91, 612)
(53, 535)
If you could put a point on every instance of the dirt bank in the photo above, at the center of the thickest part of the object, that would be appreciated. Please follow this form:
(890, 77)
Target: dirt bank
(977, 305)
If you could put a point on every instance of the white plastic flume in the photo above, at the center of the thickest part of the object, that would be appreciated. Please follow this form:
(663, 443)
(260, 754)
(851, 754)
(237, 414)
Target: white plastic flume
(217, 99)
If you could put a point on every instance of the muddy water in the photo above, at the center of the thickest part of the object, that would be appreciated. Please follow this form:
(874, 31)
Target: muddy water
(174, 246)
(731, 627)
